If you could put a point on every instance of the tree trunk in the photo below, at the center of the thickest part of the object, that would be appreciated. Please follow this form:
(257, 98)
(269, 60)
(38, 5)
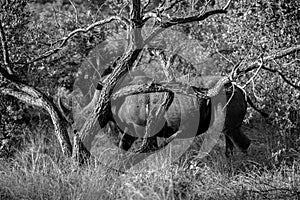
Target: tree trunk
(34, 97)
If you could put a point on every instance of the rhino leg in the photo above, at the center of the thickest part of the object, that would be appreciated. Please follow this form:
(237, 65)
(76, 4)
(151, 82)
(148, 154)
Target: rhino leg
(237, 137)
(229, 147)
(126, 141)
(148, 145)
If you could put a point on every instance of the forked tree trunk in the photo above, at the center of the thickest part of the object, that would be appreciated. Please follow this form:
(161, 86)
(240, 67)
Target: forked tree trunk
(34, 97)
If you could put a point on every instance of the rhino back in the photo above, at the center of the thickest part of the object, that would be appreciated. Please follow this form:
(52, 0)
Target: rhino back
(183, 114)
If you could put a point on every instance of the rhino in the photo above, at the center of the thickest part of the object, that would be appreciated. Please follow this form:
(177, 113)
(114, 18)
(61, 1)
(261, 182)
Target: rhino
(191, 115)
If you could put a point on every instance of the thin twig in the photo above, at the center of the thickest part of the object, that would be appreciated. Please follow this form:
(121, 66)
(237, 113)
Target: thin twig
(227, 5)
(254, 92)
(65, 39)
(255, 74)
(204, 7)
(76, 12)
(272, 56)
(5, 51)
(55, 17)
(170, 6)
(176, 21)
(282, 76)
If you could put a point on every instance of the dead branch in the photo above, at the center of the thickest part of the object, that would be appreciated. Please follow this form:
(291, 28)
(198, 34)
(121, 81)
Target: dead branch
(139, 89)
(5, 52)
(255, 74)
(76, 12)
(166, 65)
(146, 5)
(159, 12)
(170, 6)
(59, 122)
(20, 95)
(34, 97)
(102, 104)
(80, 154)
(65, 39)
(184, 20)
(181, 20)
(273, 56)
(282, 76)
(172, 87)
(195, 18)
(151, 5)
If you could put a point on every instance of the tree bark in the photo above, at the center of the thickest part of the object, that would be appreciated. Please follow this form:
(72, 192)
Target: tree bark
(34, 97)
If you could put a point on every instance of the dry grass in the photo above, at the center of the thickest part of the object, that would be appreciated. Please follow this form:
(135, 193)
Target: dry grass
(35, 175)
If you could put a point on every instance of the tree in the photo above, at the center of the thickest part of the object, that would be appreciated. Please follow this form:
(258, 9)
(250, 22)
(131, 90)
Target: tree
(77, 30)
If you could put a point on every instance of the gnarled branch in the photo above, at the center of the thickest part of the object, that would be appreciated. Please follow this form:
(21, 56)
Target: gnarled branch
(34, 97)
(172, 87)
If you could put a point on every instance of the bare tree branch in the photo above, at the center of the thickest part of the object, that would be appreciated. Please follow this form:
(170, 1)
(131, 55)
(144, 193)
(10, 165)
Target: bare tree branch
(65, 39)
(11, 86)
(21, 95)
(5, 52)
(76, 12)
(146, 5)
(272, 56)
(282, 76)
(227, 5)
(178, 88)
(182, 20)
(196, 18)
(170, 6)
(255, 74)
(175, 21)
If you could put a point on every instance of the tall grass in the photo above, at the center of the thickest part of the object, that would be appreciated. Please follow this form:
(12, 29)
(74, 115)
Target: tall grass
(40, 173)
